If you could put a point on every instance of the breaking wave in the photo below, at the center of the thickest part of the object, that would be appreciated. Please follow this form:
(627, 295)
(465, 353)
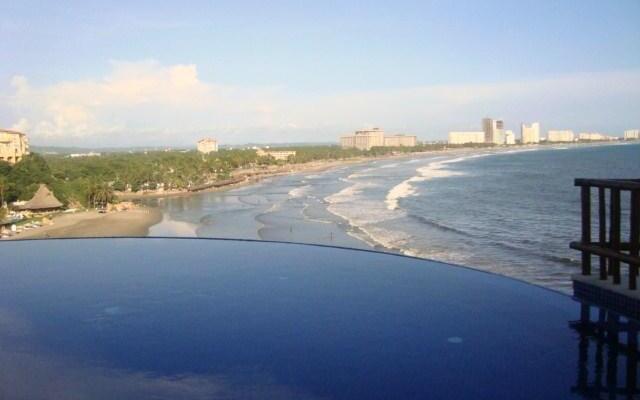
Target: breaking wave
(300, 191)
(433, 170)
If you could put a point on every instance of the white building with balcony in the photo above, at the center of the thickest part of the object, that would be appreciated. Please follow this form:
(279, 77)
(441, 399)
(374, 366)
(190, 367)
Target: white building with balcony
(466, 137)
(207, 145)
(13, 146)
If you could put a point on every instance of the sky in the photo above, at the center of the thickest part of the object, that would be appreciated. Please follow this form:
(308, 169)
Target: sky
(141, 73)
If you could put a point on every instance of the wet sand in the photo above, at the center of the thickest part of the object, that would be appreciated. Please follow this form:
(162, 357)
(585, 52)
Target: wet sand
(134, 222)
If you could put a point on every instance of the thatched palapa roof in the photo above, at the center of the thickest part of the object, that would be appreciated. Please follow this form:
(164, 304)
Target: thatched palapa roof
(42, 200)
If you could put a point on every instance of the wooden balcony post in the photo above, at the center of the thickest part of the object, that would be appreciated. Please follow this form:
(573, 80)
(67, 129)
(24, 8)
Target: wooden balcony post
(602, 225)
(585, 196)
(634, 237)
(614, 234)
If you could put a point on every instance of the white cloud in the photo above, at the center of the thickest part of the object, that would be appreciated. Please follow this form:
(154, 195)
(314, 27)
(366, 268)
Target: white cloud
(22, 125)
(146, 102)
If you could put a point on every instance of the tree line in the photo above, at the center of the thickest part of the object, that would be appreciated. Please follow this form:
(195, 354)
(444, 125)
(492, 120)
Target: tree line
(87, 181)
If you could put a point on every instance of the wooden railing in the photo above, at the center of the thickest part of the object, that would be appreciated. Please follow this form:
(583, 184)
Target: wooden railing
(604, 356)
(612, 250)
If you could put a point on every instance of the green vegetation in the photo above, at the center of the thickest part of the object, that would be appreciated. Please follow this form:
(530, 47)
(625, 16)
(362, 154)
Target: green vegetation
(91, 181)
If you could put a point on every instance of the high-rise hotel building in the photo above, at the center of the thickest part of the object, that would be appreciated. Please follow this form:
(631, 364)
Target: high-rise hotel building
(493, 130)
(368, 138)
(560, 136)
(466, 137)
(530, 134)
(632, 134)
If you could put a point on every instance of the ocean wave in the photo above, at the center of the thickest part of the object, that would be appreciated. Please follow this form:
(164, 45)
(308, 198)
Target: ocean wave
(376, 237)
(299, 191)
(274, 207)
(433, 170)
(348, 194)
(390, 165)
(360, 174)
(307, 217)
(438, 225)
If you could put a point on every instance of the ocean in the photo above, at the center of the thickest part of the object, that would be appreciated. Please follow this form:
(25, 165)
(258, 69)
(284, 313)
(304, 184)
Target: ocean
(510, 212)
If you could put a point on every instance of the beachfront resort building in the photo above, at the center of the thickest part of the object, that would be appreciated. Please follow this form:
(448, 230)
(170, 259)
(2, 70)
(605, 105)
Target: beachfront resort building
(632, 134)
(466, 137)
(560, 136)
(400, 140)
(530, 134)
(493, 130)
(281, 155)
(207, 145)
(594, 136)
(509, 137)
(363, 140)
(375, 137)
(13, 146)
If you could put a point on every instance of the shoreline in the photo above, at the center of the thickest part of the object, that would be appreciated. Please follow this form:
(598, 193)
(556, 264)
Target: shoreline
(135, 222)
(252, 177)
(139, 221)
(255, 176)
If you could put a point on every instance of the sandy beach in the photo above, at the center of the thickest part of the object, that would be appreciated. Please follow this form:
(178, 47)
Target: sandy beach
(134, 222)
(138, 221)
(254, 176)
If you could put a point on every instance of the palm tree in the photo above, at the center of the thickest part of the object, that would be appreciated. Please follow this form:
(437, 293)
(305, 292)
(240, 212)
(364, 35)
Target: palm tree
(99, 194)
(4, 183)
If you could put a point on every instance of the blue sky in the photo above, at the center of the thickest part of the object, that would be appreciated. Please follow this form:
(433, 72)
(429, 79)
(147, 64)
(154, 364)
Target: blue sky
(109, 73)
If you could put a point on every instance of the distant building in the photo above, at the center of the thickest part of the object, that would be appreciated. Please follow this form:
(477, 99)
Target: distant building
(509, 137)
(632, 134)
(560, 136)
(588, 136)
(400, 141)
(207, 145)
(368, 138)
(493, 130)
(13, 146)
(282, 155)
(364, 139)
(466, 137)
(530, 134)
(89, 154)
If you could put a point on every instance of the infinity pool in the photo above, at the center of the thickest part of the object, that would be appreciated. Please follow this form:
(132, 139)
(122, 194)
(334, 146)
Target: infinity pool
(201, 319)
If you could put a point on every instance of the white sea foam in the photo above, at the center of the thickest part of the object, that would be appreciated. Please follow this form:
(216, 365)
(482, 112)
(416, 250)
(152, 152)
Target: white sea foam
(274, 207)
(389, 166)
(298, 192)
(435, 169)
(356, 208)
(348, 194)
(369, 217)
(308, 218)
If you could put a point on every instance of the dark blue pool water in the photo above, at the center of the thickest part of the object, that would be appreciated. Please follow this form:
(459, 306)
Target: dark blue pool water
(195, 318)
